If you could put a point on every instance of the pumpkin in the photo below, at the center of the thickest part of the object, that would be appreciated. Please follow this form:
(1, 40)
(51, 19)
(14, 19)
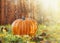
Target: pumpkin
(24, 27)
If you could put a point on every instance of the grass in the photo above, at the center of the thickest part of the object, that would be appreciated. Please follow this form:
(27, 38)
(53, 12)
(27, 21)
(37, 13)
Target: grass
(52, 30)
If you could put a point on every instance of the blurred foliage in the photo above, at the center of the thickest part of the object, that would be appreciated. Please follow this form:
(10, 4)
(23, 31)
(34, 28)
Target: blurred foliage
(52, 31)
(44, 34)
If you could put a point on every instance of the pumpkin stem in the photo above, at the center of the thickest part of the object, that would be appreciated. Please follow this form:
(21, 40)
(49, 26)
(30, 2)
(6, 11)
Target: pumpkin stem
(23, 17)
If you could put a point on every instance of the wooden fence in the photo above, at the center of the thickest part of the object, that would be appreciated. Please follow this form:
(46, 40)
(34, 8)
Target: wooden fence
(11, 10)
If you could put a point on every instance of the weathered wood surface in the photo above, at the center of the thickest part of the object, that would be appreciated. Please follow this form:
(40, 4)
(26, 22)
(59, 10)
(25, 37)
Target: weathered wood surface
(0, 11)
(9, 11)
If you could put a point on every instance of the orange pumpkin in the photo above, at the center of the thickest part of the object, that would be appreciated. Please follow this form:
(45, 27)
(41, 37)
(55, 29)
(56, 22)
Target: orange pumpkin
(24, 27)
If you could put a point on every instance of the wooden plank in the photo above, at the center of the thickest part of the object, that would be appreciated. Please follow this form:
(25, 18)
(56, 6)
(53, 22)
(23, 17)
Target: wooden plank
(0, 11)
